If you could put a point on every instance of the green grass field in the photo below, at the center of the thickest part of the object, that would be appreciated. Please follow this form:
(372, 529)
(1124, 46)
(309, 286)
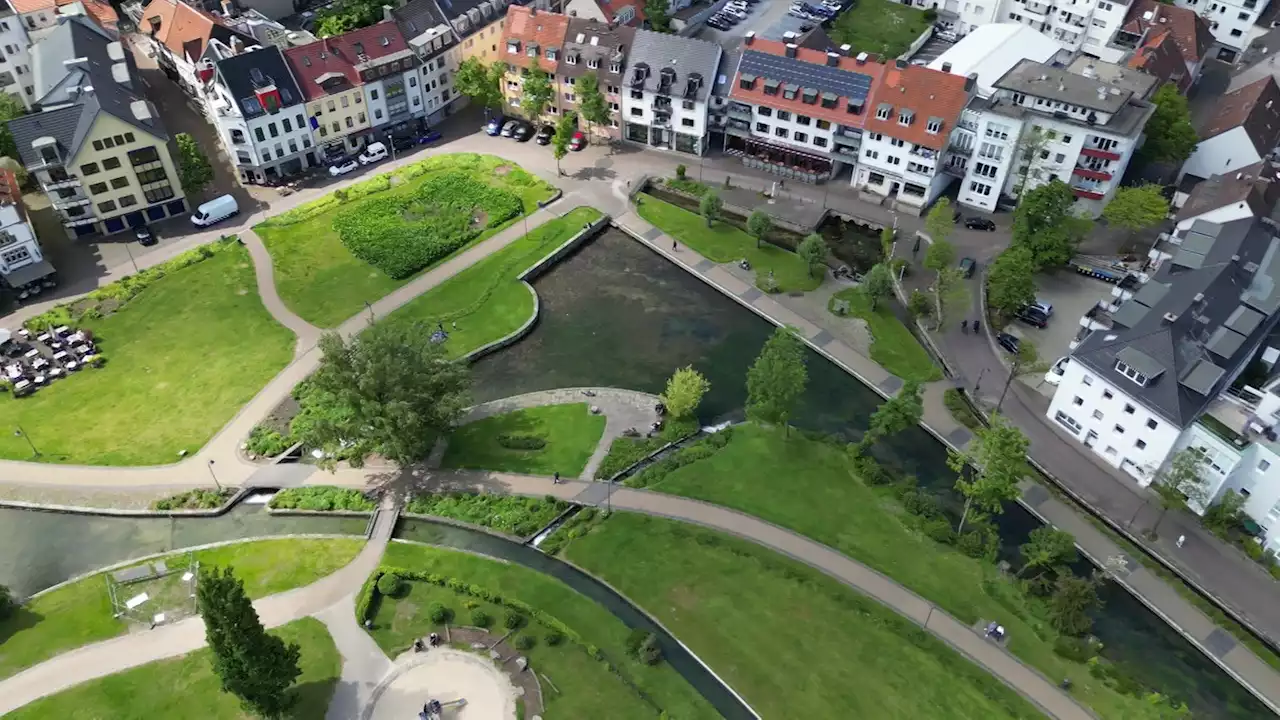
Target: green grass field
(880, 27)
(823, 499)
(80, 613)
(793, 642)
(182, 358)
(320, 280)
(893, 347)
(587, 688)
(724, 243)
(185, 687)
(570, 431)
(486, 301)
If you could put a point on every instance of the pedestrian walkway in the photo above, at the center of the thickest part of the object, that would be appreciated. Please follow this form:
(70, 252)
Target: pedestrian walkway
(308, 334)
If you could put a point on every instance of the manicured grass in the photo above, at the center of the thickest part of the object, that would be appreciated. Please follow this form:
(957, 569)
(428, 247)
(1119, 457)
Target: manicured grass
(724, 243)
(320, 280)
(80, 613)
(570, 431)
(182, 358)
(587, 688)
(879, 27)
(824, 500)
(486, 302)
(627, 451)
(187, 687)
(512, 514)
(792, 641)
(893, 347)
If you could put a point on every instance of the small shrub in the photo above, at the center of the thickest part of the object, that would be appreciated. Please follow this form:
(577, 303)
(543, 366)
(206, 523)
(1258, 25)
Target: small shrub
(193, 500)
(522, 442)
(321, 497)
(512, 620)
(480, 618)
(523, 642)
(650, 652)
(939, 530)
(680, 171)
(919, 304)
(1073, 648)
(635, 639)
(438, 612)
(553, 638)
(391, 585)
(920, 503)
(267, 442)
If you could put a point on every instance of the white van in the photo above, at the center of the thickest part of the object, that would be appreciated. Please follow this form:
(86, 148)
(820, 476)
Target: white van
(216, 210)
(373, 152)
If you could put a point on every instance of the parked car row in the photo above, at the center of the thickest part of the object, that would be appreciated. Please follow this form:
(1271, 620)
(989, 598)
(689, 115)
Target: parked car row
(734, 12)
(522, 130)
(816, 11)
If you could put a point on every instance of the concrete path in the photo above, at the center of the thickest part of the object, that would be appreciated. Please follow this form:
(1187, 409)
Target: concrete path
(263, 271)
(622, 409)
(129, 651)
(364, 665)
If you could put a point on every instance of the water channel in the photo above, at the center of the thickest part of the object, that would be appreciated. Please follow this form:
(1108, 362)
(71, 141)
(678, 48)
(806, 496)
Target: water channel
(615, 314)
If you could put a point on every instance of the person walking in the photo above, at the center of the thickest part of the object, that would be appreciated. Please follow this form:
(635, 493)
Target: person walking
(976, 326)
(1181, 539)
(964, 326)
(673, 245)
(555, 479)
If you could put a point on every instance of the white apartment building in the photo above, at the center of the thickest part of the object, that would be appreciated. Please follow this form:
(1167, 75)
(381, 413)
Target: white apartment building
(431, 38)
(666, 91)
(21, 259)
(1230, 20)
(966, 16)
(16, 78)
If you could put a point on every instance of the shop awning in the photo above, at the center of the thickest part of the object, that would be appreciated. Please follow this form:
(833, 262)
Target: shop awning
(28, 273)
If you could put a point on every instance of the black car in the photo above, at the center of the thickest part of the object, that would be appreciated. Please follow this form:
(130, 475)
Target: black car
(545, 133)
(1008, 342)
(522, 132)
(1033, 316)
(144, 235)
(968, 266)
(977, 223)
(717, 25)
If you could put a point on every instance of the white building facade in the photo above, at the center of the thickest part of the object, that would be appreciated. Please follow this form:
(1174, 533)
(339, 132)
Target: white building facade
(666, 92)
(255, 104)
(21, 259)
(15, 57)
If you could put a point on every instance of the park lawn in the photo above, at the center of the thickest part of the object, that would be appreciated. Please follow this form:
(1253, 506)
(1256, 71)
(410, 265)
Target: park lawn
(486, 301)
(80, 613)
(587, 689)
(571, 433)
(880, 27)
(183, 357)
(825, 500)
(893, 347)
(186, 686)
(321, 281)
(725, 243)
(794, 642)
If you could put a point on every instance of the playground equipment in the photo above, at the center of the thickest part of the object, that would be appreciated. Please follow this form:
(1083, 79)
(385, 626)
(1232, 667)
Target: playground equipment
(434, 709)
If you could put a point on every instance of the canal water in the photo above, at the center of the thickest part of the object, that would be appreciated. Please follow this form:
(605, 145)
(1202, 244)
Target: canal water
(617, 314)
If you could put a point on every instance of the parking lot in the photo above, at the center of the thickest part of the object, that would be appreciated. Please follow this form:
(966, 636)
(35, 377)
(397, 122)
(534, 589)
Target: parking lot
(761, 18)
(1071, 295)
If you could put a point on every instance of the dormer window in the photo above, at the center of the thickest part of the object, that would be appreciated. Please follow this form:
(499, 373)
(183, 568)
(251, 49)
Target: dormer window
(771, 87)
(1132, 374)
(551, 53)
(828, 100)
(789, 92)
(747, 82)
(615, 68)
(571, 58)
(593, 63)
(934, 126)
(883, 111)
(809, 97)
(905, 117)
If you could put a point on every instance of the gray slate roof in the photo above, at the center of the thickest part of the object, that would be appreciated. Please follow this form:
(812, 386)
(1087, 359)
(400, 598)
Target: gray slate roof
(246, 72)
(600, 43)
(1196, 322)
(1040, 80)
(685, 56)
(62, 87)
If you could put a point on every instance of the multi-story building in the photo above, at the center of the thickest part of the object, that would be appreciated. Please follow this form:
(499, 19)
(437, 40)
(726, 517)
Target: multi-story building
(179, 37)
(16, 78)
(613, 12)
(911, 115)
(1169, 42)
(41, 14)
(1244, 129)
(963, 17)
(1084, 25)
(1248, 192)
(478, 26)
(22, 261)
(799, 112)
(93, 142)
(431, 39)
(388, 70)
(667, 91)
(532, 39)
(252, 99)
(263, 29)
(331, 85)
(595, 48)
(1230, 20)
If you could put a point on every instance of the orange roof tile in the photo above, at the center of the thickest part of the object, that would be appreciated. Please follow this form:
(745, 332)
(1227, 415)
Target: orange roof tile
(839, 114)
(927, 94)
(102, 12)
(543, 29)
(180, 26)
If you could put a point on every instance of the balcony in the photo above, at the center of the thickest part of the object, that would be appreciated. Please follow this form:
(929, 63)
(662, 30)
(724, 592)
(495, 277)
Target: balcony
(1091, 174)
(966, 151)
(61, 183)
(1087, 193)
(923, 153)
(74, 201)
(80, 220)
(662, 120)
(738, 109)
(1099, 153)
(955, 170)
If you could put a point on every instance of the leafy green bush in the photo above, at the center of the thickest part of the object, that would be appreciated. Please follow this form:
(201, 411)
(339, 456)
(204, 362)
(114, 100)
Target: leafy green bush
(521, 442)
(391, 585)
(523, 642)
(438, 612)
(512, 620)
(480, 618)
(920, 503)
(402, 233)
(267, 442)
(521, 516)
(650, 652)
(699, 450)
(979, 543)
(635, 638)
(552, 638)
(194, 500)
(939, 530)
(321, 497)
(919, 304)
(1074, 648)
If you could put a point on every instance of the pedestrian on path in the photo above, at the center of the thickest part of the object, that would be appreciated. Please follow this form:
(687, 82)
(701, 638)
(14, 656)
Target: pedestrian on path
(976, 326)
(555, 479)
(673, 245)
(1181, 539)
(964, 326)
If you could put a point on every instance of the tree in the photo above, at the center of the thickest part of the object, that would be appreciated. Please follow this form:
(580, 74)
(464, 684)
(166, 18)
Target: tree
(10, 108)
(390, 390)
(1136, 208)
(1044, 224)
(758, 225)
(565, 127)
(1179, 484)
(894, 415)
(1030, 144)
(998, 457)
(938, 224)
(684, 392)
(940, 257)
(877, 284)
(1225, 515)
(535, 93)
(658, 14)
(1170, 136)
(347, 15)
(776, 379)
(591, 102)
(1010, 280)
(950, 295)
(256, 667)
(1073, 599)
(194, 169)
(1047, 547)
(710, 206)
(813, 250)
(479, 82)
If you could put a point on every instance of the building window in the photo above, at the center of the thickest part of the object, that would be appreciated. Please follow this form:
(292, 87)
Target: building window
(801, 137)
(763, 111)
(637, 94)
(820, 141)
(111, 163)
(980, 189)
(119, 182)
(1077, 400)
(761, 127)
(688, 105)
(1097, 414)
(784, 115)
(1264, 465)
(1106, 395)
(1068, 422)
(1087, 380)
(882, 112)
(1119, 430)
(824, 124)
(94, 189)
(636, 112)
(803, 119)
(237, 135)
(107, 206)
(1132, 374)
(1141, 444)
(1151, 424)
(934, 127)
(686, 122)
(373, 94)
(1128, 408)
(128, 201)
(89, 169)
(1111, 451)
(257, 132)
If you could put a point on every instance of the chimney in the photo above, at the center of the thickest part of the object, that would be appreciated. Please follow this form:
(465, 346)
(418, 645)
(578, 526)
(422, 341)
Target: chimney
(532, 11)
(861, 59)
(846, 49)
(237, 45)
(386, 13)
(970, 81)
(1170, 317)
(833, 59)
(1102, 93)
(749, 37)
(791, 50)
(900, 64)
(1090, 71)
(946, 67)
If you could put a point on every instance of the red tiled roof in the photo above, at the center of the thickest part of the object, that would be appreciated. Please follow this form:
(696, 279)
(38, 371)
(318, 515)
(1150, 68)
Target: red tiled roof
(838, 114)
(182, 28)
(928, 94)
(318, 60)
(102, 12)
(376, 41)
(1160, 56)
(610, 10)
(1255, 106)
(546, 30)
(1190, 31)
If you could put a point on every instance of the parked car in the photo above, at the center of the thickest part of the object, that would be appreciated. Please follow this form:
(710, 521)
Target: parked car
(522, 132)
(342, 167)
(494, 126)
(430, 137)
(578, 141)
(144, 236)
(717, 25)
(545, 133)
(1033, 317)
(373, 152)
(1008, 342)
(1042, 306)
(217, 209)
(968, 266)
(978, 223)
(1054, 376)
(508, 127)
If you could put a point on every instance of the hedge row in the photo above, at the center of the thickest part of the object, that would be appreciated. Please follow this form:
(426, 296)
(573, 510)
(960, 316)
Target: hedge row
(198, 499)
(321, 497)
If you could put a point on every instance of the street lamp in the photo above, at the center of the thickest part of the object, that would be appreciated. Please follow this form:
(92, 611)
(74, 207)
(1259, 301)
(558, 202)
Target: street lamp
(215, 477)
(19, 432)
(978, 385)
(131, 260)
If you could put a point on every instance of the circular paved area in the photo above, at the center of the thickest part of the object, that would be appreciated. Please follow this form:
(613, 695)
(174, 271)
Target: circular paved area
(445, 675)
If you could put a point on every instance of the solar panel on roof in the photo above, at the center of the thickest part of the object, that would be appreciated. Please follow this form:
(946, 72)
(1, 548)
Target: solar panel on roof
(823, 77)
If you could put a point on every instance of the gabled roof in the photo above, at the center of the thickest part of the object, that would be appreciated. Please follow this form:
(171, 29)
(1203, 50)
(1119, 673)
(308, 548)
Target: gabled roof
(183, 29)
(586, 41)
(611, 8)
(417, 21)
(1257, 186)
(372, 45)
(1159, 56)
(248, 72)
(849, 81)
(925, 95)
(1258, 60)
(536, 32)
(689, 59)
(100, 11)
(321, 71)
(1256, 108)
(468, 16)
(1190, 31)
